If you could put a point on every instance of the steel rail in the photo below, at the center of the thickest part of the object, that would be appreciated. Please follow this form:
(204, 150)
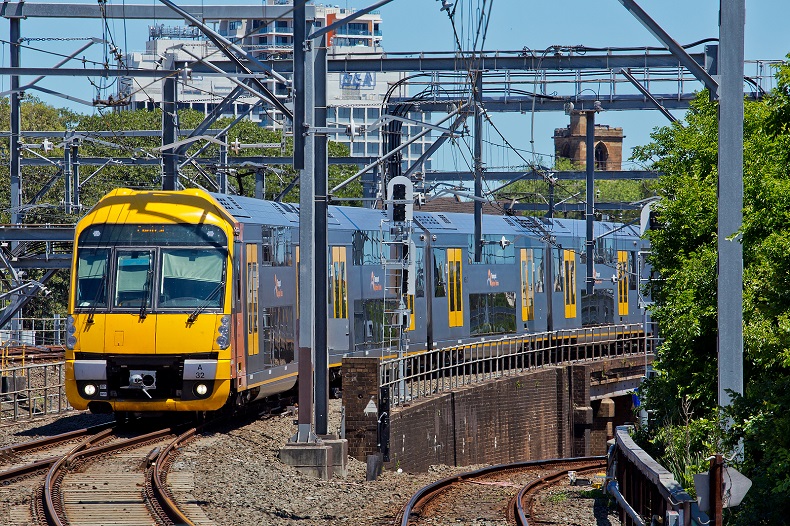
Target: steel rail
(520, 513)
(159, 480)
(52, 504)
(431, 491)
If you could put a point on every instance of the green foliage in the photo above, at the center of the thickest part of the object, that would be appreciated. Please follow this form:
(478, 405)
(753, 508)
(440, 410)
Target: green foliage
(684, 255)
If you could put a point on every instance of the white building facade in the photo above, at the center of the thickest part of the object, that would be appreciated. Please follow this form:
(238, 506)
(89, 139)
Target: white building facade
(353, 99)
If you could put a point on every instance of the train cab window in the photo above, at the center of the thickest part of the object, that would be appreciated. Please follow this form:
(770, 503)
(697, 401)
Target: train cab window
(92, 265)
(192, 277)
(134, 273)
(439, 273)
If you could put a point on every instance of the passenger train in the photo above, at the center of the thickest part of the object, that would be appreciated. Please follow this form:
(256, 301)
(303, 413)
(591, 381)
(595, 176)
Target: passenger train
(188, 300)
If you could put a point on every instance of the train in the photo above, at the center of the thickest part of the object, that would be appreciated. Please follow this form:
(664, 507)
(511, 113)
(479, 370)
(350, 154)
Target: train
(188, 300)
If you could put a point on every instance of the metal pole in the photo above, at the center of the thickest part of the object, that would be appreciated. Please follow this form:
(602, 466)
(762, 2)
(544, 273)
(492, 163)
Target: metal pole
(222, 173)
(478, 234)
(307, 283)
(300, 32)
(16, 124)
(67, 177)
(169, 135)
(730, 215)
(321, 241)
(590, 208)
(716, 483)
(75, 173)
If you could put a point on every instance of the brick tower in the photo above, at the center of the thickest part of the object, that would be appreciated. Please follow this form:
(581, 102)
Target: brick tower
(570, 143)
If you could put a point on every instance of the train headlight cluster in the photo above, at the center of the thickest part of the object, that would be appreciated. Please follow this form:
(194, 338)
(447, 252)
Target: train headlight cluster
(224, 328)
(71, 333)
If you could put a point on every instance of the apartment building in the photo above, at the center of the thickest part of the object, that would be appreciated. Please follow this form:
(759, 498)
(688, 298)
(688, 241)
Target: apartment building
(352, 98)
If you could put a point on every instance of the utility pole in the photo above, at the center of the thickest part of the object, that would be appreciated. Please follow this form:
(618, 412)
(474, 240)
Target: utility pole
(590, 205)
(16, 124)
(730, 215)
(478, 97)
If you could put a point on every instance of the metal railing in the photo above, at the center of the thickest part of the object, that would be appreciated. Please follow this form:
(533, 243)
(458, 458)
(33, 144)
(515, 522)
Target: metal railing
(32, 390)
(646, 491)
(34, 332)
(428, 373)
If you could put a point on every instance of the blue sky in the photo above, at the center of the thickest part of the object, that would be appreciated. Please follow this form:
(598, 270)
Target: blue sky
(419, 25)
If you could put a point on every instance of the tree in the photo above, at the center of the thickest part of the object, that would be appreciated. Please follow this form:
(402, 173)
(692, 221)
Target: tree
(684, 255)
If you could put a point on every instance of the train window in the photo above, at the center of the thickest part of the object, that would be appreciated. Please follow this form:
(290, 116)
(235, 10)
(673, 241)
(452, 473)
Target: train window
(134, 273)
(277, 329)
(419, 269)
(92, 264)
(192, 277)
(366, 247)
(439, 273)
(559, 275)
(632, 270)
(537, 254)
(604, 250)
(276, 246)
(493, 253)
(492, 313)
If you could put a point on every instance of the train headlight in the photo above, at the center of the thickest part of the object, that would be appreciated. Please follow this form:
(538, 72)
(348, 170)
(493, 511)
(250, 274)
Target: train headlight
(224, 328)
(70, 327)
(71, 341)
(201, 389)
(89, 390)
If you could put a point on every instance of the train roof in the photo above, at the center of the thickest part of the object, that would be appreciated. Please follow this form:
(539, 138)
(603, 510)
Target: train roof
(251, 210)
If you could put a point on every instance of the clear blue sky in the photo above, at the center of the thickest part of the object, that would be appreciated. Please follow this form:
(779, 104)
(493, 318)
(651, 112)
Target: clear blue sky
(419, 25)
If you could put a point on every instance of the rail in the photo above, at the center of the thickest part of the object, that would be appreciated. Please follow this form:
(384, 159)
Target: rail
(645, 490)
(419, 375)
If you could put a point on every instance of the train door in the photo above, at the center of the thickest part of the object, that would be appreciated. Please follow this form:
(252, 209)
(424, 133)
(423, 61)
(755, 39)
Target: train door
(622, 282)
(569, 267)
(455, 292)
(252, 289)
(132, 293)
(338, 324)
(527, 286)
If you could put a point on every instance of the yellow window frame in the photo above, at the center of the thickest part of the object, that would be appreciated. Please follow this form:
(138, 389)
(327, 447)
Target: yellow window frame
(527, 284)
(339, 283)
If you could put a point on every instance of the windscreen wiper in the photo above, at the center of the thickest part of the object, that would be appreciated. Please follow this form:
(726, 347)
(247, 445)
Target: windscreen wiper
(95, 301)
(200, 308)
(146, 293)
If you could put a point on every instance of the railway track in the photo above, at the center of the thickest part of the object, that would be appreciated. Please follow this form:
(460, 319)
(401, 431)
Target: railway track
(120, 481)
(503, 494)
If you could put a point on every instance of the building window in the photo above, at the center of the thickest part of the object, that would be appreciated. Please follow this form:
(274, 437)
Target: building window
(601, 156)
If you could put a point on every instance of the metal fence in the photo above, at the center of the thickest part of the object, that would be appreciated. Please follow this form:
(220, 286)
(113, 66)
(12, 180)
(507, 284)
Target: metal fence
(32, 390)
(34, 332)
(424, 374)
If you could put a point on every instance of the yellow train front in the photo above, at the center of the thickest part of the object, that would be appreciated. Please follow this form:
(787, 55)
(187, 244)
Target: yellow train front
(150, 304)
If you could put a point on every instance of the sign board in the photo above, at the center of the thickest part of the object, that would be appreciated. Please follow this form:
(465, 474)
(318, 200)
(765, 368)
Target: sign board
(736, 486)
